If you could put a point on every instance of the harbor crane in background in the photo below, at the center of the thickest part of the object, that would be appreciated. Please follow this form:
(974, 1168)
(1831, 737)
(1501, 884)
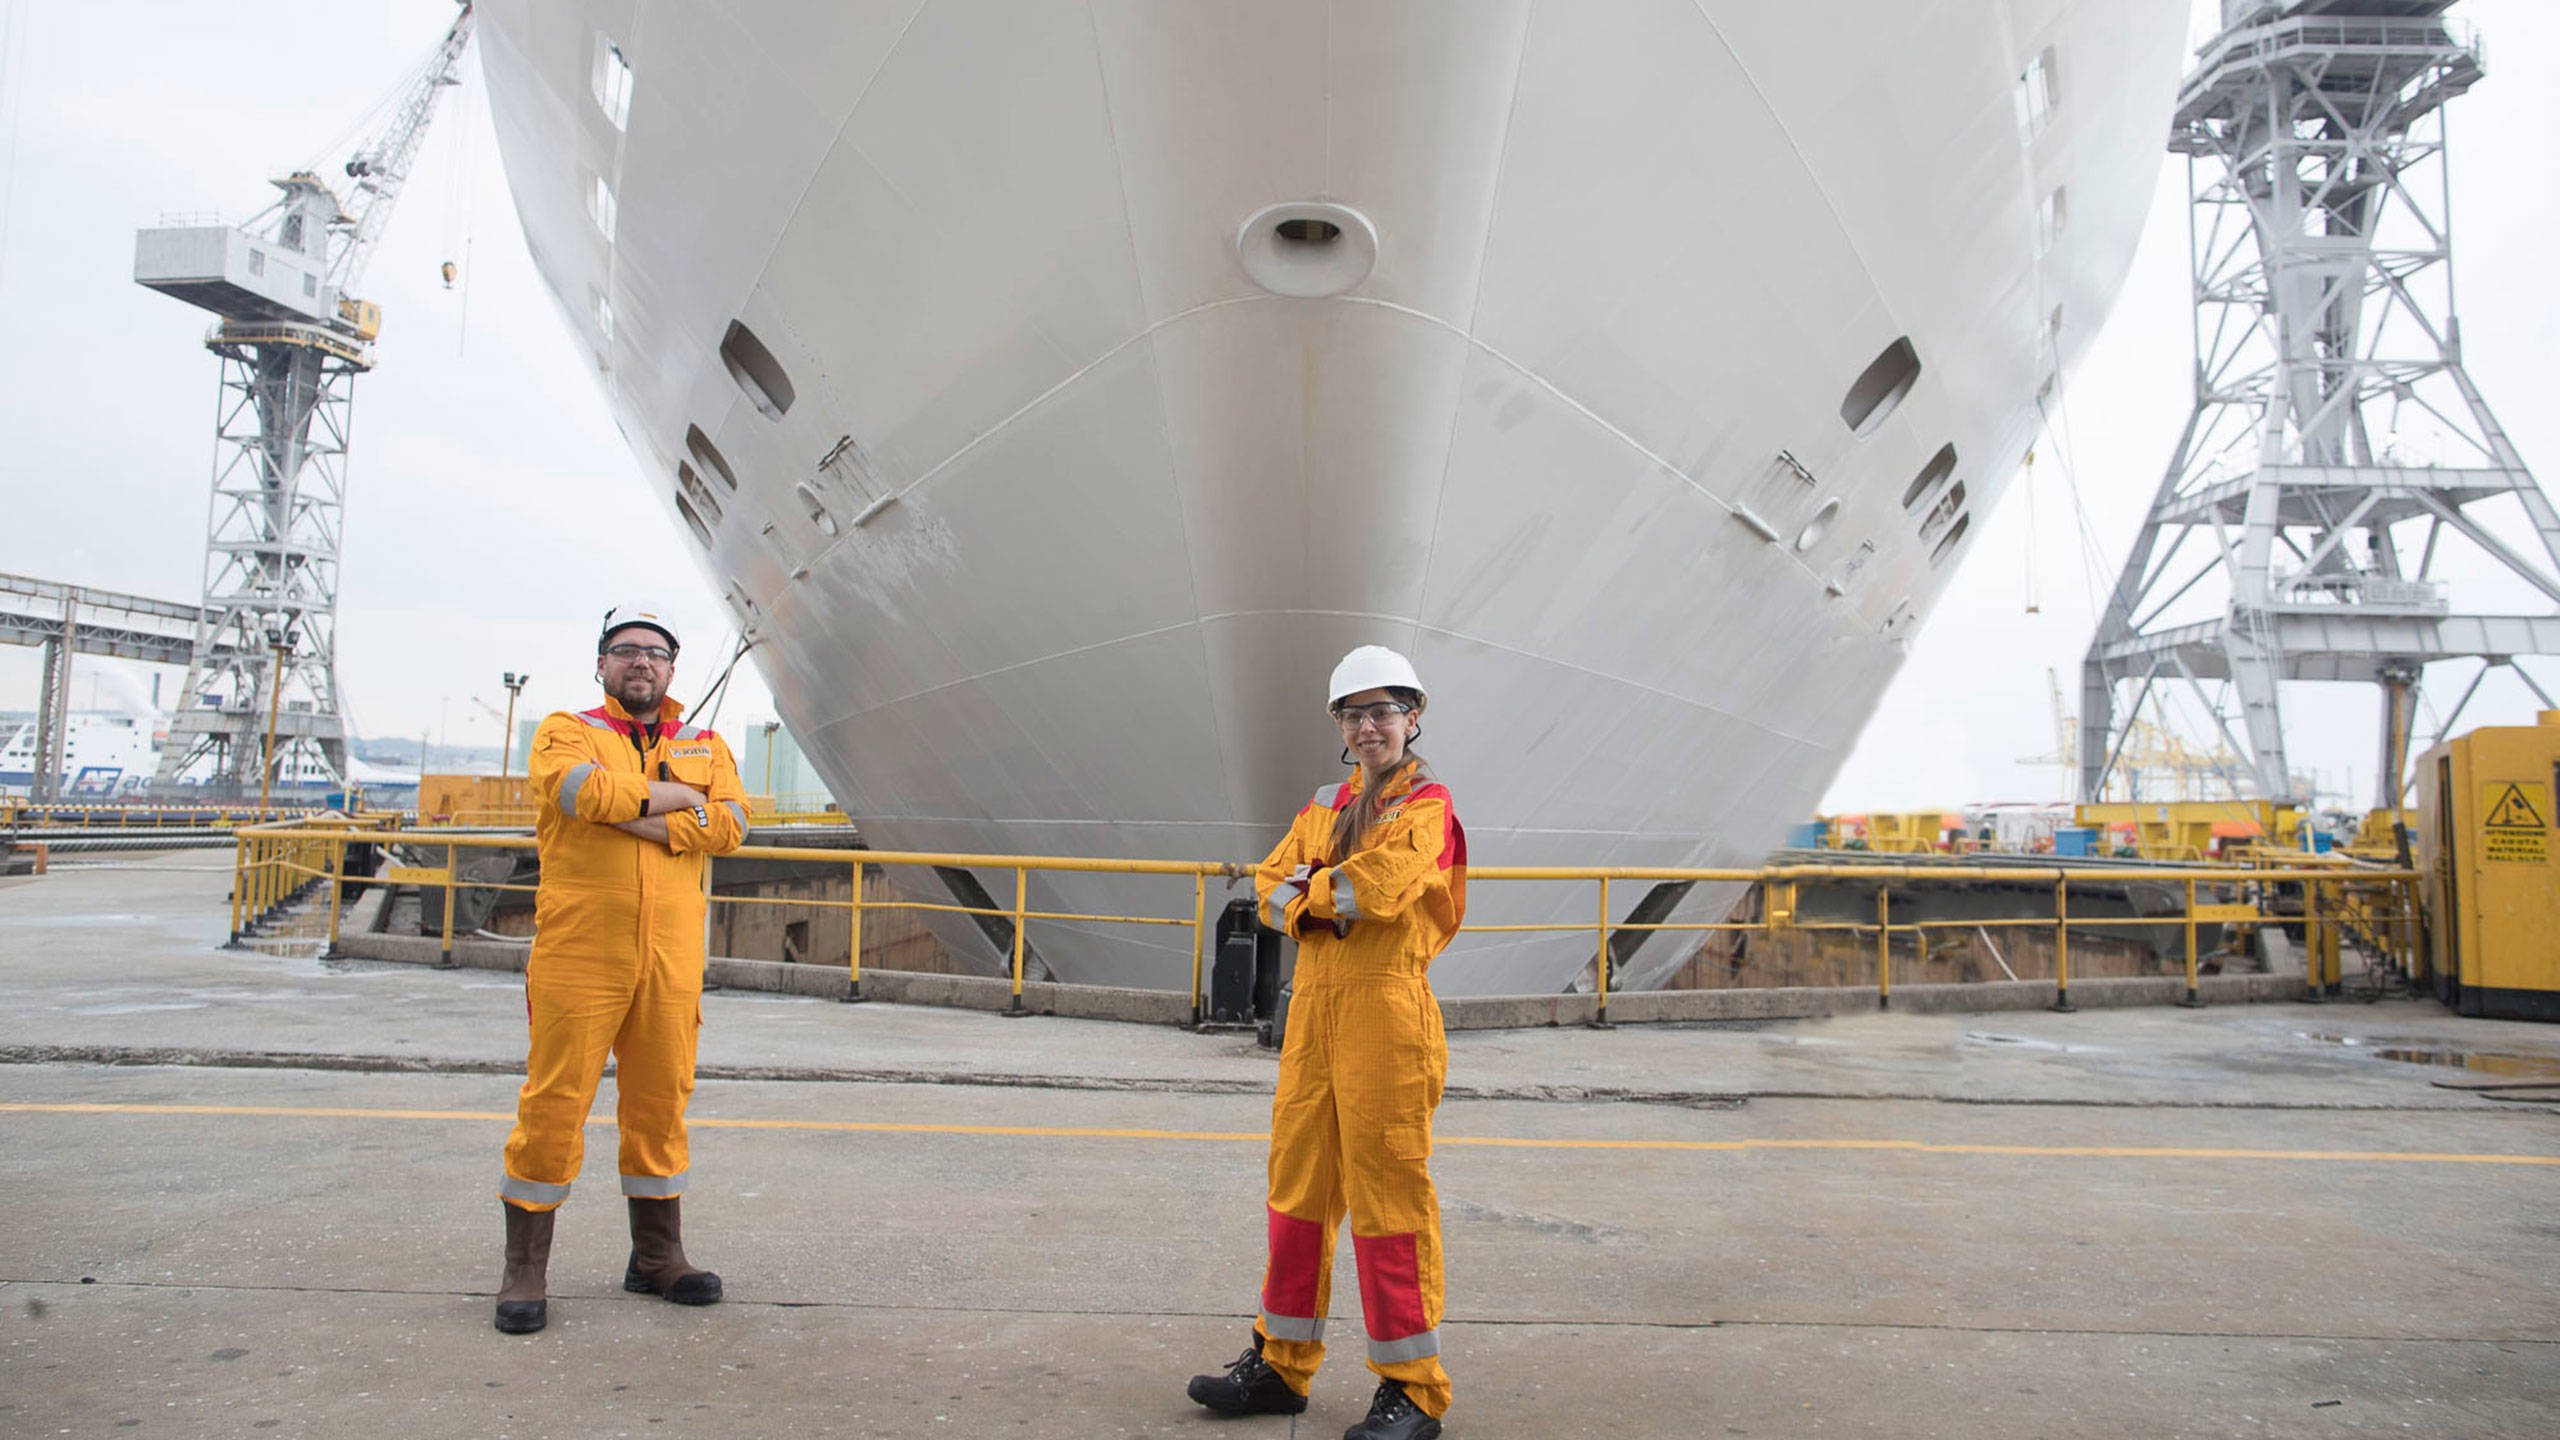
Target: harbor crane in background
(2338, 453)
(291, 336)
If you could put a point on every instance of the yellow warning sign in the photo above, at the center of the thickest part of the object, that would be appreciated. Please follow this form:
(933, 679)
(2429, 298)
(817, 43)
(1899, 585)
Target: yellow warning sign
(2517, 827)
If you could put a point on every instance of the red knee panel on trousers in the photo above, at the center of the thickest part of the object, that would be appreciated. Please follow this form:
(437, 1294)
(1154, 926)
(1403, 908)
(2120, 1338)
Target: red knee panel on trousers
(1390, 1285)
(1297, 1261)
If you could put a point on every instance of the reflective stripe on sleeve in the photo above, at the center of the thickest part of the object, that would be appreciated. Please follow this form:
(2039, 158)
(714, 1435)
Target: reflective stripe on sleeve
(597, 722)
(651, 1187)
(1275, 910)
(1300, 1328)
(688, 732)
(571, 784)
(1411, 1347)
(1345, 905)
(532, 1192)
(738, 810)
(1327, 796)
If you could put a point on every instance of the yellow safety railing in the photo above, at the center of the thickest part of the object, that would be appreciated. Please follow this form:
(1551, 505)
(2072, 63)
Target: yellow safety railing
(2384, 913)
(2376, 908)
(761, 810)
(273, 865)
(277, 862)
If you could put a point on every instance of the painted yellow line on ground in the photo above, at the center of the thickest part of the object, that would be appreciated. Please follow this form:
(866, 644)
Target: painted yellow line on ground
(1071, 1132)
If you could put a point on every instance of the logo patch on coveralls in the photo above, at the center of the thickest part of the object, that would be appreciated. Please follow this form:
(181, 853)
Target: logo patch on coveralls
(690, 752)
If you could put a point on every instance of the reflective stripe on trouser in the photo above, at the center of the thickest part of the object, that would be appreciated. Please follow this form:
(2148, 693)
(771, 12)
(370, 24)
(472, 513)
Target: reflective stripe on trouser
(580, 1007)
(1350, 1138)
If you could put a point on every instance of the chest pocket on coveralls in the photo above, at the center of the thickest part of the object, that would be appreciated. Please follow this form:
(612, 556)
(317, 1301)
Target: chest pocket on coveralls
(691, 769)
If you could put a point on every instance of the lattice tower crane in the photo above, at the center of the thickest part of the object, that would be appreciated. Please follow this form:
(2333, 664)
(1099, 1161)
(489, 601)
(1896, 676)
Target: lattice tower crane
(291, 337)
(2337, 437)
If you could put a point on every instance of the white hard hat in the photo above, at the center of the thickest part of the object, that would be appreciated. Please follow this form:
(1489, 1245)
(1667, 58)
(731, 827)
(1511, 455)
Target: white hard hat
(1371, 667)
(655, 617)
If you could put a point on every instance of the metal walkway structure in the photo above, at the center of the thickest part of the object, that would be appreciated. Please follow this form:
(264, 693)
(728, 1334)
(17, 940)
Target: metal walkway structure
(70, 620)
(2339, 463)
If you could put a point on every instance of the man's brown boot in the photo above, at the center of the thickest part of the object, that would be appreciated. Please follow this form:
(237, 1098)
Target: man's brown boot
(658, 1266)
(523, 1292)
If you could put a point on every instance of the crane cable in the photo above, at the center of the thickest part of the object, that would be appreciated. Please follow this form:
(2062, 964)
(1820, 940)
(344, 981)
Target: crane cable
(2057, 418)
(372, 116)
(709, 705)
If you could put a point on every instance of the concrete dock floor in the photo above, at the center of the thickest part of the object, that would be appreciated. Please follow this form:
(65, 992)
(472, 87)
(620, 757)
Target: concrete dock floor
(254, 1194)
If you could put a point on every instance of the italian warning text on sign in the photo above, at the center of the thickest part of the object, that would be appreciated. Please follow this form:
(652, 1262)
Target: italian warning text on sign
(2518, 825)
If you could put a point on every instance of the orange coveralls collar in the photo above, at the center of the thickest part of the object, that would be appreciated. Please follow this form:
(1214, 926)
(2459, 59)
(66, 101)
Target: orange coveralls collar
(622, 796)
(1360, 1075)
(617, 956)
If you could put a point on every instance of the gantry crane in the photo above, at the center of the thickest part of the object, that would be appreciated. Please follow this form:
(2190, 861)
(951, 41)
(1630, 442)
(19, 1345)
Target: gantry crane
(2334, 419)
(291, 336)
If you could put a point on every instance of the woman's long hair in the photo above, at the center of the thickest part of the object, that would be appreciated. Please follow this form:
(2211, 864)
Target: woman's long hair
(1352, 821)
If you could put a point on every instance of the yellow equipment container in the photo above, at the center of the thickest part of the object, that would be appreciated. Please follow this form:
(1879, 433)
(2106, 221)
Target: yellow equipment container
(2491, 872)
(474, 800)
(2189, 829)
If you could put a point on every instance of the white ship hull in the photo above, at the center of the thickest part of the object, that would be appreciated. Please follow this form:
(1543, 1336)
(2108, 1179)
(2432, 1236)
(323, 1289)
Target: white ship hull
(1068, 516)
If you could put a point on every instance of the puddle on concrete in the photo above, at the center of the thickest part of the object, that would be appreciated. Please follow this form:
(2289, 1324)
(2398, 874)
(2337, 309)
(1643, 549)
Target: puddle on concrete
(2029, 1042)
(2480, 1062)
(2534, 1067)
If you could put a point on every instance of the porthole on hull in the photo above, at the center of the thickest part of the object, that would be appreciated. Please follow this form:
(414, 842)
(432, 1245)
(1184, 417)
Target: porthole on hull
(1819, 526)
(1943, 512)
(708, 456)
(819, 514)
(697, 491)
(693, 521)
(1940, 466)
(611, 83)
(1963, 523)
(602, 208)
(2052, 217)
(1307, 249)
(759, 375)
(1880, 388)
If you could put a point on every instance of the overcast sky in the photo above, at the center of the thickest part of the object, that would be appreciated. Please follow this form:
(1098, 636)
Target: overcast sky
(494, 512)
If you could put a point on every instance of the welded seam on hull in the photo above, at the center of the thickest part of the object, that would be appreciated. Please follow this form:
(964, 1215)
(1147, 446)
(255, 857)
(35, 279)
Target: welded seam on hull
(1420, 626)
(990, 674)
(1475, 303)
(764, 267)
(1425, 627)
(1164, 401)
(1838, 221)
(1043, 398)
(1260, 827)
(1621, 436)
(1586, 412)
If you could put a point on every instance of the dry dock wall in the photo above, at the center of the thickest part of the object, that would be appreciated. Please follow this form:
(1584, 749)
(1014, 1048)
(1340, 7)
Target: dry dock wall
(1475, 1012)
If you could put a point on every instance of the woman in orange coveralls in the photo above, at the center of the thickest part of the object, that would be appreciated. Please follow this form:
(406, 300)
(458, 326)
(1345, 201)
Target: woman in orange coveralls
(1372, 881)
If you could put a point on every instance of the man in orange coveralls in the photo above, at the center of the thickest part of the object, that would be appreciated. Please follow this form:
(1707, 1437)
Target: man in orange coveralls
(632, 805)
(1372, 879)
